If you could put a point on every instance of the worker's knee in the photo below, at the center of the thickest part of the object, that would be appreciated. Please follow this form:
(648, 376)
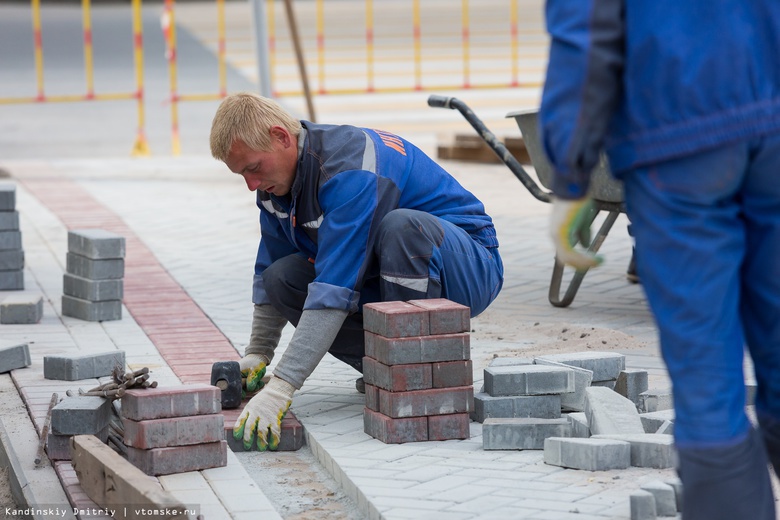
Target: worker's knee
(286, 281)
(407, 233)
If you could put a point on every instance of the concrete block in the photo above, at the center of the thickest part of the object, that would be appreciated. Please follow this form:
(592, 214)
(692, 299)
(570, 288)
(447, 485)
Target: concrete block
(10, 240)
(610, 413)
(12, 260)
(179, 459)
(397, 378)
(395, 430)
(448, 374)
(446, 427)
(652, 421)
(665, 500)
(579, 425)
(7, 196)
(111, 269)
(291, 438)
(13, 356)
(58, 446)
(655, 400)
(12, 280)
(418, 349)
(528, 380)
(80, 415)
(677, 486)
(649, 450)
(85, 366)
(604, 365)
(572, 401)
(520, 433)
(510, 361)
(170, 401)
(92, 290)
(630, 383)
(97, 464)
(21, 309)
(174, 431)
(445, 316)
(91, 311)
(434, 401)
(642, 505)
(587, 454)
(395, 319)
(372, 398)
(9, 220)
(97, 244)
(539, 406)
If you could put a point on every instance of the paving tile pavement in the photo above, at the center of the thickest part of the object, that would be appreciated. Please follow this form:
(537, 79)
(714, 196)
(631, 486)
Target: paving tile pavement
(192, 235)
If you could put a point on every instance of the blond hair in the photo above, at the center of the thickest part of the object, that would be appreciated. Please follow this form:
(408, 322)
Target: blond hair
(248, 117)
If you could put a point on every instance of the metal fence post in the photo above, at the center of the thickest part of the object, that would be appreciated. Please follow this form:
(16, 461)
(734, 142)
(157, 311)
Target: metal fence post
(261, 44)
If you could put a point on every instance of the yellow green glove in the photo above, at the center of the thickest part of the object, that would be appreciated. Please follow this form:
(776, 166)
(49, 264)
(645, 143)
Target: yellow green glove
(570, 223)
(253, 368)
(262, 416)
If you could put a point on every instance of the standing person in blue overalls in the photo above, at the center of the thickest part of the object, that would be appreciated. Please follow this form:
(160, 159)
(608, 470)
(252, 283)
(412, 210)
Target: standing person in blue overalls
(348, 216)
(684, 96)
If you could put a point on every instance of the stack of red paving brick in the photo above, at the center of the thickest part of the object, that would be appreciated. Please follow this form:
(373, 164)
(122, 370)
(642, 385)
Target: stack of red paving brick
(417, 370)
(174, 429)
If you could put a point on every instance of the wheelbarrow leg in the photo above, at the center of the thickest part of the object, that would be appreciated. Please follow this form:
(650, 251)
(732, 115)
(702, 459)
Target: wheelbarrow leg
(574, 285)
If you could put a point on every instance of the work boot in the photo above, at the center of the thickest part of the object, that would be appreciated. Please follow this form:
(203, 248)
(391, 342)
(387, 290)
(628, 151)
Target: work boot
(360, 385)
(631, 275)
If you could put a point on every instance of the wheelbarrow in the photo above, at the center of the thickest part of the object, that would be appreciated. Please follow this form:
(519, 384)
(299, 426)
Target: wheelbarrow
(606, 192)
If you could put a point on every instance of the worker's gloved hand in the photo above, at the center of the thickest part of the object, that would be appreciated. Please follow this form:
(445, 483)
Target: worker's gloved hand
(570, 223)
(252, 370)
(262, 416)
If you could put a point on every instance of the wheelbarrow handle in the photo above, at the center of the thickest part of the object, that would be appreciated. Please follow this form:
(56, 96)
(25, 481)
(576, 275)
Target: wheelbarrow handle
(497, 146)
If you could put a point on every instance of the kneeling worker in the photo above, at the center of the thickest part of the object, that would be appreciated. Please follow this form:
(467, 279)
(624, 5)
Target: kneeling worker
(348, 216)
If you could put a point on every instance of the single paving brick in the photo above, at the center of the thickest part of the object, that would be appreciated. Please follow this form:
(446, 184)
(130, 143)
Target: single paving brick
(372, 398)
(97, 244)
(110, 269)
(397, 378)
(445, 427)
(21, 309)
(604, 365)
(610, 413)
(572, 401)
(86, 310)
(7, 196)
(79, 415)
(642, 504)
(528, 380)
(395, 430)
(447, 374)
(587, 454)
(540, 406)
(417, 349)
(171, 401)
(665, 500)
(445, 316)
(9, 220)
(579, 424)
(10, 240)
(655, 400)
(630, 383)
(648, 450)
(92, 290)
(434, 401)
(13, 356)
(12, 280)
(395, 319)
(84, 366)
(12, 260)
(174, 431)
(58, 446)
(521, 433)
(178, 459)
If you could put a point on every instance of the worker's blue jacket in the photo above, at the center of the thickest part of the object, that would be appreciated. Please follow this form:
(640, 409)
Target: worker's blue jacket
(347, 180)
(626, 77)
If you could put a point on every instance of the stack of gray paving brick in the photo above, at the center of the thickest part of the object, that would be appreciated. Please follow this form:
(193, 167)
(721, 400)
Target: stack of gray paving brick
(78, 415)
(521, 406)
(93, 282)
(11, 252)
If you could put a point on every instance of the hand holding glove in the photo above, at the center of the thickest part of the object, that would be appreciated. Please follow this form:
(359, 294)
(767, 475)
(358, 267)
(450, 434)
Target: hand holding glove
(253, 368)
(263, 415)
(570, 223)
